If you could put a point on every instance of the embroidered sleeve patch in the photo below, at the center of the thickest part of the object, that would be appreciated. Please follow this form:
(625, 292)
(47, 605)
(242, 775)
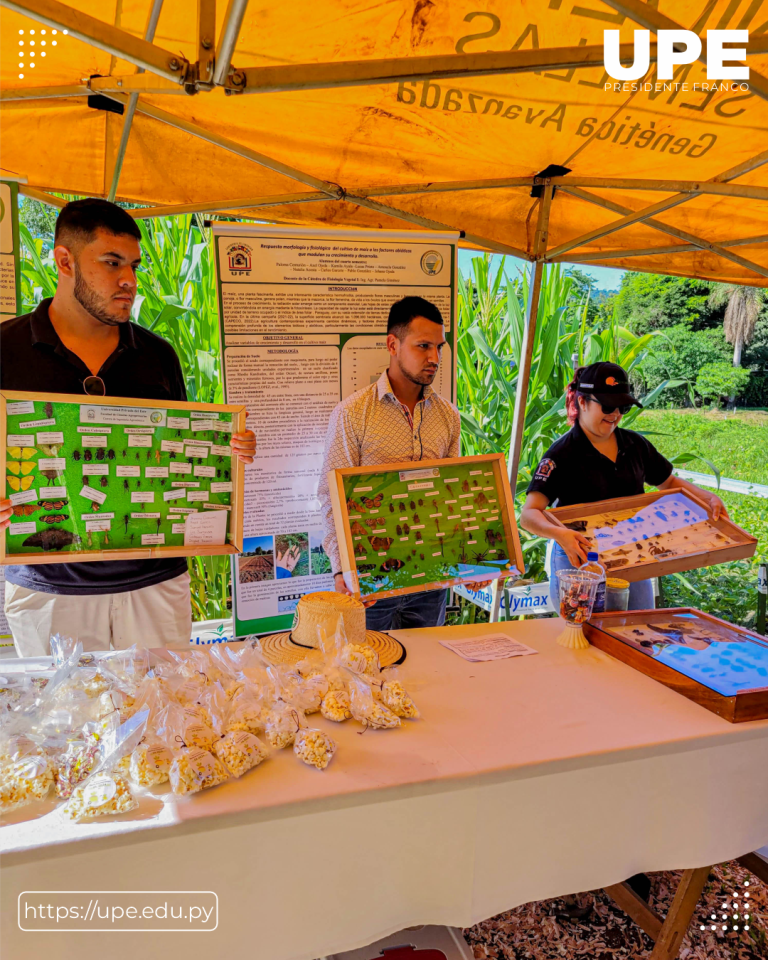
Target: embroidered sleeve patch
(544, 469)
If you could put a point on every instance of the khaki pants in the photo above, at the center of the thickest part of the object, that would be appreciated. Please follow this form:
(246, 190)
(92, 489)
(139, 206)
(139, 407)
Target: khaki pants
(157, 616)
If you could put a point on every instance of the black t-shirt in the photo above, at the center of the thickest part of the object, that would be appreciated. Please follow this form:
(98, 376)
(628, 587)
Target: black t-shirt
(574, 471)
(143, 366)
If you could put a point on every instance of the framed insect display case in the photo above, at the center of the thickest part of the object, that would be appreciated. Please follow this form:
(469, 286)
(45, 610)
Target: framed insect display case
(96, 478)
(657, 533)
(718, 665)
(425, 525)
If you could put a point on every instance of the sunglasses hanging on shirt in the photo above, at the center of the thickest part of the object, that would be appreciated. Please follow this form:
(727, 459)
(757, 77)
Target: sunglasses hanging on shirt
(94, 387)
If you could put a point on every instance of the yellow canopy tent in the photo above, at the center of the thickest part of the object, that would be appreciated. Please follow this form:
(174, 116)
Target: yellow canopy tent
(436, 113)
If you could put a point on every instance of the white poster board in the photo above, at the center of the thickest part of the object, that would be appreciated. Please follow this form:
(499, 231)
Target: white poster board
(303, 316)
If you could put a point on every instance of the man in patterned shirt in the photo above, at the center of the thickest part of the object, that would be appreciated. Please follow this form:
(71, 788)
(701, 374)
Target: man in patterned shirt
(400, 417)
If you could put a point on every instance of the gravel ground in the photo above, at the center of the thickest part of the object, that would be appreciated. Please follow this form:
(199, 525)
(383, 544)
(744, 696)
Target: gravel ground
(542, 931)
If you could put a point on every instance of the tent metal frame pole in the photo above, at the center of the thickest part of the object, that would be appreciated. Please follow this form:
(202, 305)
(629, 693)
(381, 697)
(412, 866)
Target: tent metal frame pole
(130, 110)
(650, 18)
(318, 76)
(230, 31)
(332, 190)
(104, 36)
(41, 195)
(483, 242)
(646, 214)
(529, 336)
(651, 251)
(672, 231)
(217, 206)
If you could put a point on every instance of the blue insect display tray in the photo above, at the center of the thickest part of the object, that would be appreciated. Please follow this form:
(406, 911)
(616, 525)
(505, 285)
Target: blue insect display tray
(721, 666)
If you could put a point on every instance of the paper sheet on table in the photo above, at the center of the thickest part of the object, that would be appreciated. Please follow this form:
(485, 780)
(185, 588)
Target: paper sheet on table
(208, 527)
(490, 646)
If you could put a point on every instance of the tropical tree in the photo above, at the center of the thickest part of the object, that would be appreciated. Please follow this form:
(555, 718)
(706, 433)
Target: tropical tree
(742, 308)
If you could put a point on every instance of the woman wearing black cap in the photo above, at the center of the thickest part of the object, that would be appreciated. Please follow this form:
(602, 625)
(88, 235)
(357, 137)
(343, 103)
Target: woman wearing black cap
(597, 460)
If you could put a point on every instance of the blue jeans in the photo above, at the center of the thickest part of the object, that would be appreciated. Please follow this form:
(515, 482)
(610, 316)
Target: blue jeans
(408, 612)
(640, 592)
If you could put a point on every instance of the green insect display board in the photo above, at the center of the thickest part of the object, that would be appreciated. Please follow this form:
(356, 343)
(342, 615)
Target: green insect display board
(96, 478)
(408, 527)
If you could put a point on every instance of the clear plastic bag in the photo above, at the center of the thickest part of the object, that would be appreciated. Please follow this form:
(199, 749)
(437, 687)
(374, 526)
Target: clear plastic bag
(366, 709)
(282, 725)
(394, 695)
(240, 751)
(107, 790)
(65, 650)
(314, 747)
(150, 763)
(246, 711)
(183, 727)
(336, 706)
(25, 780)
(194, 769)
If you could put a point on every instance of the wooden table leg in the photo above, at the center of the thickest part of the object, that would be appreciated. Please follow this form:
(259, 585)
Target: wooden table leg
(755, 865)
(667, 933)
(679, 917)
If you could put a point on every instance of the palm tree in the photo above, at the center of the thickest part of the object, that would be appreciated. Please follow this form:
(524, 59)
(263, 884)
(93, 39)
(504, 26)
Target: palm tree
(742, 309)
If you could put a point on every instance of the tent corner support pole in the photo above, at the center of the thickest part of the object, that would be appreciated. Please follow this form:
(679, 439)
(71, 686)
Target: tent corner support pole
(230, 31)
(529, 336)
(130, 110)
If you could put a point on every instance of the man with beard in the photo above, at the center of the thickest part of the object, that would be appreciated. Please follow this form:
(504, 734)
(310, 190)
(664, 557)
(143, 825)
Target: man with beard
(81, 341)
(400, 417)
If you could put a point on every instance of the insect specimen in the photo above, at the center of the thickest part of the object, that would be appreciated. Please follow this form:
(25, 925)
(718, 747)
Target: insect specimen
(399, 530)
(465, 486)
(172, 455)
(391, 508)
(226, 474)
(412, 505)
(126, 518)
(366, 567)
(104, 481)
(87, 481)
(374, 503)
(218, 473)
(359, 549)
(111, 454)
(479, 556)
(55, 518)
(126, 484)
(52, 504)
(125, 454)
(178, 433)
(76, 455)
(152, 482)
(380, 543)
(358, 530)
(158, 522)
(53, 539)
(49, 474)
(24, 509)
(406, 529)
(138, 454)
(416, 518)
(90, 539)
(87, 455)
(100, 453)
(421, 503)
(149, 454)
(157, 455)
(481, 499)
(421, 556)
(391, 563)
(20, 484)
(401, 507)
(48, 410)
(373, 522)
(132, 537)
(95, 507)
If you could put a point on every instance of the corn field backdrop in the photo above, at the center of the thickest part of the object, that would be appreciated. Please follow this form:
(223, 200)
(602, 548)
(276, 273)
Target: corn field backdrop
(177, 300)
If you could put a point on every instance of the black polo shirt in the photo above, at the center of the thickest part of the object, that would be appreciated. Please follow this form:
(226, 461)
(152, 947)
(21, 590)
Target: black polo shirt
(143, 367)
(573, 471)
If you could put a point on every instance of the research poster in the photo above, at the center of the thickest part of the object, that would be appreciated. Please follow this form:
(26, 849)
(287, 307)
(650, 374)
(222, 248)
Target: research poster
(303, 317)
(10, 289)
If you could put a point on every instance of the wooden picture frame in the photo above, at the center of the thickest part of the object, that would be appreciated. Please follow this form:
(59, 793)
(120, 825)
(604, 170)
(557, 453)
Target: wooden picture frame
(495, 468)
(747, 704)
(235, 468)
(743, 547)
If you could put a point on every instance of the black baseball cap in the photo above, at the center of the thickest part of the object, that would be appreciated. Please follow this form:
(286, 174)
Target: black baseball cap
(608, 384)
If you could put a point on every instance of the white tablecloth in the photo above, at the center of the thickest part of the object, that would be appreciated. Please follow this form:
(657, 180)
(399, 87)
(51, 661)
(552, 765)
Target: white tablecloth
(527, 778)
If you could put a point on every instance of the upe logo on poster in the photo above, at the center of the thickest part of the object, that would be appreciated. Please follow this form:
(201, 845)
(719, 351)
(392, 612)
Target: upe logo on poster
(239, 259)
(676, 48)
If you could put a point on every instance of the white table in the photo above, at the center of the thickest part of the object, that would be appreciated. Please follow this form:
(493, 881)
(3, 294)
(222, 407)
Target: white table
(527, 779)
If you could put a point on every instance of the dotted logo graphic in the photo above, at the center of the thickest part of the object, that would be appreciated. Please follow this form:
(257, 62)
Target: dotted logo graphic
(35, 46)
(733, 914)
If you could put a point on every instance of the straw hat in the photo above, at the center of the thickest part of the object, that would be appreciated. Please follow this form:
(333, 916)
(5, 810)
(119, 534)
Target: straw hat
(321, 611)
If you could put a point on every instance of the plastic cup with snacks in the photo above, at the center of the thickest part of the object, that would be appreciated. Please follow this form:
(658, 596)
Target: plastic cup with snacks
(577, 596)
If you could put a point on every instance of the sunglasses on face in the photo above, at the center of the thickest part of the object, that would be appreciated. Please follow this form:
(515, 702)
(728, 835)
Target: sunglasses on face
(608, 410)
(94, 387)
